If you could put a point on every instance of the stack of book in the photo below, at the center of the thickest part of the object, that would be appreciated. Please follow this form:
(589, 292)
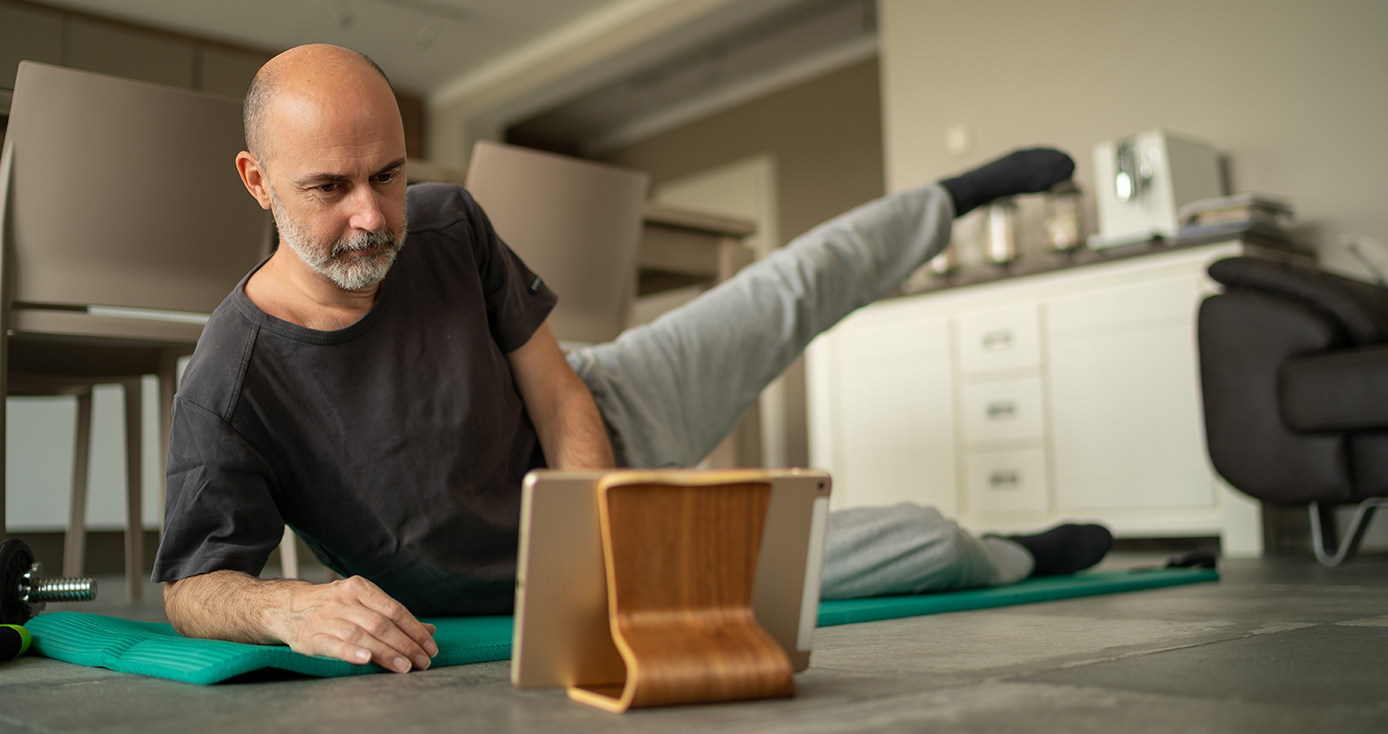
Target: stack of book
(1240, 215)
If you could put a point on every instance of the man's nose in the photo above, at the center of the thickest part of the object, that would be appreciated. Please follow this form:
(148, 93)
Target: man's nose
(366, 210)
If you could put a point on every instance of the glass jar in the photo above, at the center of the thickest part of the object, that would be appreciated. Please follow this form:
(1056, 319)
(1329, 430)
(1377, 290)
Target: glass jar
(946, 262)
(1064, 217)
(1000, 232)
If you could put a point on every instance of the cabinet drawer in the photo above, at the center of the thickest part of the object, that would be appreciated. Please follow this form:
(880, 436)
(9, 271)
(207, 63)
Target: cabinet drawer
(1000, 339)
(1004, 410)
(1007, 481)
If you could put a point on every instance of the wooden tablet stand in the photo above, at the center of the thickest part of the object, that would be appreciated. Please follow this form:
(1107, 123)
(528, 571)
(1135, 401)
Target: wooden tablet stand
(681, 557)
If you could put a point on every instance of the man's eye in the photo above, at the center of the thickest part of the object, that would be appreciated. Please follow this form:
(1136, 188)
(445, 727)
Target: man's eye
(327, 188)
(386, 177)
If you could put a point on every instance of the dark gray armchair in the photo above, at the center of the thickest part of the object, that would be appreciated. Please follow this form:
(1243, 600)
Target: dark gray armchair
(1294, 372)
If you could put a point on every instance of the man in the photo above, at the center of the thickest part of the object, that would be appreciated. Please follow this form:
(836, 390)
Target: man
(385, 401)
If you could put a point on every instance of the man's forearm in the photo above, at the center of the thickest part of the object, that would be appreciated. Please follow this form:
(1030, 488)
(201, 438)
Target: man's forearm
(574, 436)
(350, 619)
(228, 605)
(561, 408)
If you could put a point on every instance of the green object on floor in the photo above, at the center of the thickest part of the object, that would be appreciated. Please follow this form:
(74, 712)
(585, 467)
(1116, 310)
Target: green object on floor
(151, 648)
(1052, 588)
(14, 640)
(155, 649)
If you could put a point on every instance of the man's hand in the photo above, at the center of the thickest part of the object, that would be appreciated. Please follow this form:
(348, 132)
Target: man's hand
(350, 620)
(354, 620)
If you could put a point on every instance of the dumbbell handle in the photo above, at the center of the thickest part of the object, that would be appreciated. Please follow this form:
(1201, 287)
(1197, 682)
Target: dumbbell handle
(45, 590)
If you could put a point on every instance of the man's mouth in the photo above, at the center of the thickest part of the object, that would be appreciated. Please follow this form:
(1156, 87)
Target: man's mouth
(364, 252)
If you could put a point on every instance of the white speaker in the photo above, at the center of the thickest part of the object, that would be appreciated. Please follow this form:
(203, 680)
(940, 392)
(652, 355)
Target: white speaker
(1141, 181)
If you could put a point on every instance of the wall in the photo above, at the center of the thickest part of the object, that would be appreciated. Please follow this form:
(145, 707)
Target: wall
(825, 137)
(85, 42)
(91, 43)
(1294, 92)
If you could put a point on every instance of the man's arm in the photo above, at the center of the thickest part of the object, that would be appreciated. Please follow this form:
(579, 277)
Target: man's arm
(561, 407)
(350, 620)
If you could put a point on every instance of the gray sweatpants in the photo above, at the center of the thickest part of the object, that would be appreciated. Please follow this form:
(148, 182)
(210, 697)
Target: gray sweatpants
(671, 390)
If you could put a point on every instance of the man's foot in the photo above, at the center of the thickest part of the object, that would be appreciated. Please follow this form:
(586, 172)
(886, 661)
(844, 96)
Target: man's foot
(1066, 548)
(1021, 172)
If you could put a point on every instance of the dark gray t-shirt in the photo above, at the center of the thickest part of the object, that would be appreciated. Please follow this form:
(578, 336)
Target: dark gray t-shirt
(394, 447)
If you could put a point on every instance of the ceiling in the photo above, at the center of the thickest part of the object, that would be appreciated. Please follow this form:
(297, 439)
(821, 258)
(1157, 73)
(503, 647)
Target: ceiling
(778, 49)
(722, 55)
(424, 44)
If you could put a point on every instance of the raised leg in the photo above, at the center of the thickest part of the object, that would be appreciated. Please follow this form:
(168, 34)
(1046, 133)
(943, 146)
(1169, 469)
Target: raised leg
(672, 389)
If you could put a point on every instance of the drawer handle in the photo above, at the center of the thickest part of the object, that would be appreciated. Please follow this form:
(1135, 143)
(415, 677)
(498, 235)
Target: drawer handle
(1004, 479)
(995, 340)
(1003, 410)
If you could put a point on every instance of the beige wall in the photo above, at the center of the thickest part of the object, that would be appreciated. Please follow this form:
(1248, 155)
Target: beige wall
(1294, 92)
(825, 136)
(81, 41)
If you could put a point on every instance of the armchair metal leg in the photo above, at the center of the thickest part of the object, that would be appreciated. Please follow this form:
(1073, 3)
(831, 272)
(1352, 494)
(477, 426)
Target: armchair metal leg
(1323, 531)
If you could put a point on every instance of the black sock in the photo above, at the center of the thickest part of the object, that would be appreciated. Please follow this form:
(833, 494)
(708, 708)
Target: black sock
(1066, 548)
(1021, 172)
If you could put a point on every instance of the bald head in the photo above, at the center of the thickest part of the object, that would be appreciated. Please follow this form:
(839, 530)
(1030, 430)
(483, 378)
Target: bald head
(306, 74)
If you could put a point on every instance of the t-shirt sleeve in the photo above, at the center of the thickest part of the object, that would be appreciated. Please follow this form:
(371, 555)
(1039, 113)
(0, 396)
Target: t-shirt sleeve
(220, 512)
(518, 301)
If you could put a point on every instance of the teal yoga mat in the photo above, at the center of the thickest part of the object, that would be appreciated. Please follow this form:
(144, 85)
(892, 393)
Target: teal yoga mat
(154, 649)
(1053, 588)
(151, 648)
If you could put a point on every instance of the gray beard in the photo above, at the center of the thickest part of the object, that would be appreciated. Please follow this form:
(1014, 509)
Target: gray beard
(335, 263)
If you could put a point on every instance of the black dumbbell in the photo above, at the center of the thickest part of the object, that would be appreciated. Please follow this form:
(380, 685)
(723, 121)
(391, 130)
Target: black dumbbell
(23, 588)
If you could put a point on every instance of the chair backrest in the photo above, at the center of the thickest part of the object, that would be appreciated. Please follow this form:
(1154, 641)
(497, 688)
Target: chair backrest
(577, 224)
(122, 193)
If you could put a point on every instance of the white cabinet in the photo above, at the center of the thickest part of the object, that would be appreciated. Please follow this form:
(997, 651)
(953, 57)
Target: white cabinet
(1022, 402)
(1006, 481)
(892, 431)
(999, 339)
(1003, 410)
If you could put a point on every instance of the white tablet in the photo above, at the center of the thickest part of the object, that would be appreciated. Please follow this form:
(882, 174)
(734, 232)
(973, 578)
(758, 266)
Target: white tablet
(562, 634)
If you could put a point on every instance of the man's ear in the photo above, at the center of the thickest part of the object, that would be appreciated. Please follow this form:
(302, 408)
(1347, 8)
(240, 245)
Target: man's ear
(254, 177)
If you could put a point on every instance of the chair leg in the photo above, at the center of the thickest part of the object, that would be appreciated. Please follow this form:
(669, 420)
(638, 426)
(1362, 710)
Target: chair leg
(75, 541)
(168, 386)
(289, 555)
(1323, 531)
(134, 479)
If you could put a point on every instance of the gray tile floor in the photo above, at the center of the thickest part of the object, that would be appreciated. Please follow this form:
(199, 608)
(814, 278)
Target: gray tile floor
(1277, 645)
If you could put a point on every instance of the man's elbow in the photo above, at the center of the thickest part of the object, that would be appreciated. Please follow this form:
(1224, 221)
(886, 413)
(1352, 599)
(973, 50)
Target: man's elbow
(173, 590)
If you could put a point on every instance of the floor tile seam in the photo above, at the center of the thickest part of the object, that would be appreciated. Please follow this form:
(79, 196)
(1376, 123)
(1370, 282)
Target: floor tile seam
(1092, 661)
(24, 725)
(1159, 651)
(8, 689)
(1353, 708)
(1260, 586)
(910, 701)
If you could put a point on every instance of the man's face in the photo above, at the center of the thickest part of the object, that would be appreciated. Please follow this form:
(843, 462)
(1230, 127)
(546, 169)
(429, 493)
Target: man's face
(352, 262)
(335, 174)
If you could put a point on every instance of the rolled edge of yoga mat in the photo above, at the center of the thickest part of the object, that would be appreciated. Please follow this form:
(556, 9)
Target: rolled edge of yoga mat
(14, 641)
